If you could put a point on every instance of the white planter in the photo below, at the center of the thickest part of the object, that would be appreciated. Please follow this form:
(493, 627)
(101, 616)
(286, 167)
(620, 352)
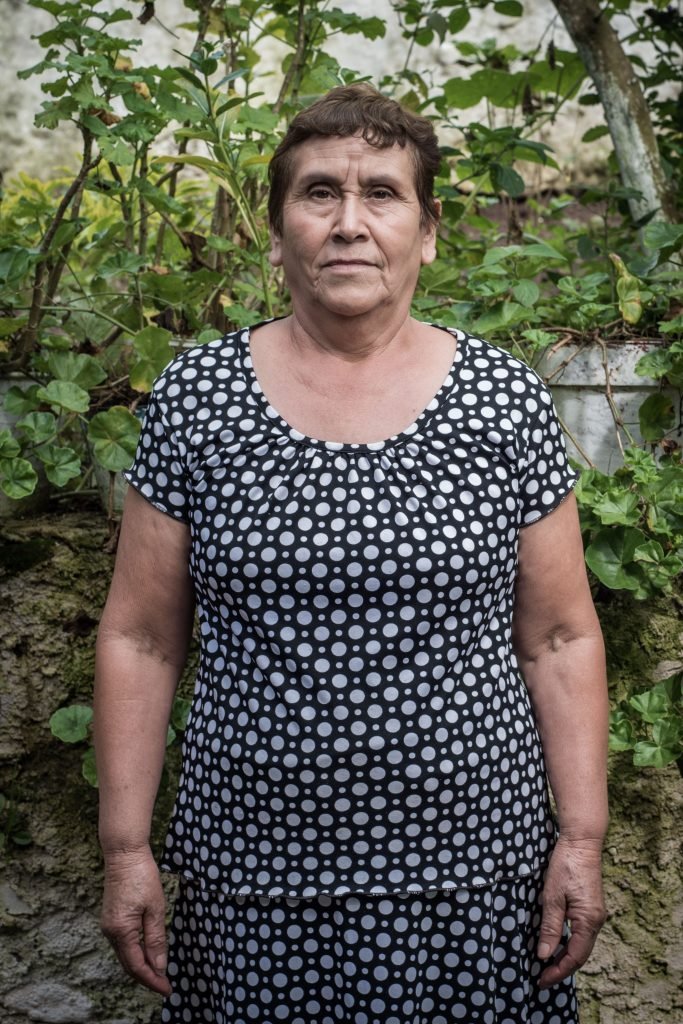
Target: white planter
(576, 375)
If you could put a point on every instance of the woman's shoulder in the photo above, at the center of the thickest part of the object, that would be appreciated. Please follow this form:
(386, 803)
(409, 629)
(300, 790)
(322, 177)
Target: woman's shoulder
(196, 361)
(505, 370)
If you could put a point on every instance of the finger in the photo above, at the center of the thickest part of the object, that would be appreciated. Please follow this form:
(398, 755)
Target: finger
(154, 937)
(128, 949)
(570, 957)
(552, 924)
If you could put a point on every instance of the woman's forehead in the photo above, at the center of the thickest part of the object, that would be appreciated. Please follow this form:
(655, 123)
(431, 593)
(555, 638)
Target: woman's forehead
(338, 156)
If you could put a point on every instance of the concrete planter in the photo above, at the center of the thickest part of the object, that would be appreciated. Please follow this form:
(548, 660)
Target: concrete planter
(578, 376)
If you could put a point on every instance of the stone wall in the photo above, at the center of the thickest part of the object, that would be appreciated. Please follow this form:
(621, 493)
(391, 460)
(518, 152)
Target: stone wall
(55, 966)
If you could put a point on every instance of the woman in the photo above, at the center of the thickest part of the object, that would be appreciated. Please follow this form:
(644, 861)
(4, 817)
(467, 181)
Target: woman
(362, 829)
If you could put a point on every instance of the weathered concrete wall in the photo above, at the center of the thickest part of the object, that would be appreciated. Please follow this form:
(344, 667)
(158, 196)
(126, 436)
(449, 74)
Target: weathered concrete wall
(55, 966)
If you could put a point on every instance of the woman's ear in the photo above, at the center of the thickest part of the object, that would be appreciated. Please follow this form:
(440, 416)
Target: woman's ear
(275, 255)
(429, 237)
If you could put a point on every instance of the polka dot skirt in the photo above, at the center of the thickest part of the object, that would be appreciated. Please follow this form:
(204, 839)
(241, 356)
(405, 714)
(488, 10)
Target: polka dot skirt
(424, 958)
(359, 724)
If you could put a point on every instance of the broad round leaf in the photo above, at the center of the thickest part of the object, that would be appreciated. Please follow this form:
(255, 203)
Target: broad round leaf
(77, 367)
(65, 395)
(114, 437)
(657, 417)
(18, 478)
(61, 463)
(89, 769)
(71, 724)
(38, 426)
(9, 446)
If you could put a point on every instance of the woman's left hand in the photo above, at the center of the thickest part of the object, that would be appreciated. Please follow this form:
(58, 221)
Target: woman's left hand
(572, 891)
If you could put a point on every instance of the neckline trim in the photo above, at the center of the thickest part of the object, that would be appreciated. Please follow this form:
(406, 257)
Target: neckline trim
(413, 430)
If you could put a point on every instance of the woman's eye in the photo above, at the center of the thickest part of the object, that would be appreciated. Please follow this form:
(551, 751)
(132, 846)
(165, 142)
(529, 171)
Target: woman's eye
(320, 192)
(381, 193)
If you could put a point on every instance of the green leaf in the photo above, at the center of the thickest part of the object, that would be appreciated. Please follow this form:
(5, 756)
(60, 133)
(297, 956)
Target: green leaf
(18, 478)
(506, 179)
(79, 368)
(19, 400)
(527, 292)
(71, 724)
(673, 326)
(179, 712)
(38, 426)
(610, 556)
(65, 395)
(89, 767)
(463, 92)
(539, 339)
(651, 755)
(597, 132)
(659, 235)
(14, 263)
(9, 446)
(152, 347)
(9, 325)
(657, 417)
(61, 463)
(543, 249)
(116, 151)
(655, 364)
(510, 8)
(618, 507)
(652, 704)
(170, 735)
(503, 314)
(622, 735)
(114, 437)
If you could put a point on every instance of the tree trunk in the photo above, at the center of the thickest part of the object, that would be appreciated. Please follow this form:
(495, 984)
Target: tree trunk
(625, 107)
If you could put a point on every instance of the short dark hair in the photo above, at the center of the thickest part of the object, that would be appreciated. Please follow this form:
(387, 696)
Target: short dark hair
(360, 110)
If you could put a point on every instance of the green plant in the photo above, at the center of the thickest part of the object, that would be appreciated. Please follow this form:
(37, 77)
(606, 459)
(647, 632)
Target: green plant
(73, 725)
(13, 830)
(651, 725)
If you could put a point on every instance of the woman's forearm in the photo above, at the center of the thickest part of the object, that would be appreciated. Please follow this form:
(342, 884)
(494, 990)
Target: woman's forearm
(566, 680)
(134, 691)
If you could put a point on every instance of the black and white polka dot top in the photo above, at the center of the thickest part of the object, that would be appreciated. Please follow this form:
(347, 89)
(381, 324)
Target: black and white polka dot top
(359, 723)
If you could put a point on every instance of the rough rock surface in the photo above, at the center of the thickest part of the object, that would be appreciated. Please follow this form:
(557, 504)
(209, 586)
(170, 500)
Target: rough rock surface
(55, 966)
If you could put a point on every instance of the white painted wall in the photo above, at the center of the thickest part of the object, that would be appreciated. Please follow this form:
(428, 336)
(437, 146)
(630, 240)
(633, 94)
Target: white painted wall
(39, 152)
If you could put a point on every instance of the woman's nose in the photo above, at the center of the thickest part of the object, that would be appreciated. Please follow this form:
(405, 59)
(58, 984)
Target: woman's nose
(350, 221)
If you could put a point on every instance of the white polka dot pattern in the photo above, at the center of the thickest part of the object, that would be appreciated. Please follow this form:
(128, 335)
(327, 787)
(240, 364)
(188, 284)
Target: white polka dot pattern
(359, 724)
(427, 958)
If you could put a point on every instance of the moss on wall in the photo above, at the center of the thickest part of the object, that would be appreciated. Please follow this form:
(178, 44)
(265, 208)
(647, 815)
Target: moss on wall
(54, 573)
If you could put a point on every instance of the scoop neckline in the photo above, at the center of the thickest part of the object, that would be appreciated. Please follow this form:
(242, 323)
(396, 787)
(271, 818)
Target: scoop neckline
(278, 422)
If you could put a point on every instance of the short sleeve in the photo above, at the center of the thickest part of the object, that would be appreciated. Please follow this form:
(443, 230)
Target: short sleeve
(159, 471)
(546, 476)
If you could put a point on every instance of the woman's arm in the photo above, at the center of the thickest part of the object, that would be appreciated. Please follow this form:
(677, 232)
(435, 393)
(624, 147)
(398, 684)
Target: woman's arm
(559, 648)
(141, 650)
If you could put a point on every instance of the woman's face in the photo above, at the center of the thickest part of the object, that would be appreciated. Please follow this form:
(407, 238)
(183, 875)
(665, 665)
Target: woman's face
(352, 241)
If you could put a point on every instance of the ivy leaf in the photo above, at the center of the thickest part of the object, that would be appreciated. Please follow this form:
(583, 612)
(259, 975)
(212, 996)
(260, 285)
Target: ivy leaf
(652, 704)
(61, 463)
(618, 507)
(18, 478)
(20, 400)
(71, 724)
(38, 426)
(653, 755)
(179, 712)
(622, 735)
(152, 347)
(657, 417)
(65, 395)
(114, 437)
(628, 291)
(89, 768)
(79, 368)
(610, 557)
(9, 446)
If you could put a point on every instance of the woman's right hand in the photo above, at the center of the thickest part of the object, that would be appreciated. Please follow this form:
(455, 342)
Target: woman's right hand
(133, 916)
